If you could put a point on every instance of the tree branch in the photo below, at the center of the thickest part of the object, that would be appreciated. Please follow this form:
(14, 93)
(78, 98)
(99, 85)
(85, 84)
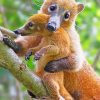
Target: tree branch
(9, 60)
(7, 32)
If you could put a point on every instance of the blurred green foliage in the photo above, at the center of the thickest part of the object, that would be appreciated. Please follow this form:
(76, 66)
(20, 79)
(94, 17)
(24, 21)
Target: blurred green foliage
(31, 64)
(14, 13)
(88, 26)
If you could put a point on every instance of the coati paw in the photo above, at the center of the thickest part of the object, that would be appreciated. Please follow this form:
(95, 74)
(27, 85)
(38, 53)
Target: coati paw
(56, 65)
(12, 44)
(51, 67)
(35, 97)
(28, 54)
(37, 56)
(31, 94)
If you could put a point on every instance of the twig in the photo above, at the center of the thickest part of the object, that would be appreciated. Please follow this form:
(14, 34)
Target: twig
(1, 9)
(3, 16)
(96, 59)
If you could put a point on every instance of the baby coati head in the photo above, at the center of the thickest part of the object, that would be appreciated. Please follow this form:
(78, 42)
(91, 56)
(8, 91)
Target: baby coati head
(62, 12)
(36, 25)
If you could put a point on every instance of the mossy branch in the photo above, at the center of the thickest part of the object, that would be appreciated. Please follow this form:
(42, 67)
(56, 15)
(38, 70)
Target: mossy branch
(10, 61)
(7, 32)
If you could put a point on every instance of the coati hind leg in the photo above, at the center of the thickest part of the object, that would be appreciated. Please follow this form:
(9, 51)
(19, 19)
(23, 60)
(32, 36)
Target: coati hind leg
(64, 93)
(55, 87)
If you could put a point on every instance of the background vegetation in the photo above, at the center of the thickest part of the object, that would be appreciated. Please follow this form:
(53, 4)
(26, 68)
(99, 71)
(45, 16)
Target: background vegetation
(13, 14)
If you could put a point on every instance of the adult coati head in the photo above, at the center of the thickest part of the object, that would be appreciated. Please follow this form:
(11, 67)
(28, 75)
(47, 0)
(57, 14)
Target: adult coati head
(63, 13)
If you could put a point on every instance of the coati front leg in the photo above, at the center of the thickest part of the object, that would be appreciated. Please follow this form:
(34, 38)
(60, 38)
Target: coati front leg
(49, 50)
(39, 51)
(69, 63)
(21, 44)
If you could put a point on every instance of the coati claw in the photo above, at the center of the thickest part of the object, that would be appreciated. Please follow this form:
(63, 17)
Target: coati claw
(28, 54)
(37, 56)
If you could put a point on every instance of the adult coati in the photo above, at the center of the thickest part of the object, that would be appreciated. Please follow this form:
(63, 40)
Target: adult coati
(81, 81)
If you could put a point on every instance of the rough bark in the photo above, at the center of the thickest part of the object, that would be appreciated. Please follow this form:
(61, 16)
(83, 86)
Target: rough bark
(10, 61)
(8, 32)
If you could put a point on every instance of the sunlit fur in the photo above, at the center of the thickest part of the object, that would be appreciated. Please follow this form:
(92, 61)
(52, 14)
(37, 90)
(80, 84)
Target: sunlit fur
(57, 45)
(83, 81)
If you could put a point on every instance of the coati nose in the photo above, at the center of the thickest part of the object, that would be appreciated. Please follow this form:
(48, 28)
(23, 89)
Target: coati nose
(16, 32)
(51, 26)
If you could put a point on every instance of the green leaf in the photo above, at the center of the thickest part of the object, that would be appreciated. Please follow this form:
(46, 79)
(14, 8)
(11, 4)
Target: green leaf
(31, 63)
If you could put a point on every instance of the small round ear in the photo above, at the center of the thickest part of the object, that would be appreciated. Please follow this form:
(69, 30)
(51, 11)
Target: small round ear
(80, 7)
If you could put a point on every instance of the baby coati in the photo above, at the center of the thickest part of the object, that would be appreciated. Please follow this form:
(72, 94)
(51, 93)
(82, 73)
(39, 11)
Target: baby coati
(53, 46)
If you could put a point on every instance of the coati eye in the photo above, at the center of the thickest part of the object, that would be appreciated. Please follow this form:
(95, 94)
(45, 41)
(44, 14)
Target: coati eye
(66, 15)
(31, 25)
(52, 8)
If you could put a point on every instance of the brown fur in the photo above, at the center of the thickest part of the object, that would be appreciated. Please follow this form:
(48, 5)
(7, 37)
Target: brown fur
(50, 48)
(27, 42)
(69, 26)
(85, 81)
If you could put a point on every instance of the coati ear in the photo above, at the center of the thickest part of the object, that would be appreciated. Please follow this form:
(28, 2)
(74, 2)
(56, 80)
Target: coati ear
(80, 7)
